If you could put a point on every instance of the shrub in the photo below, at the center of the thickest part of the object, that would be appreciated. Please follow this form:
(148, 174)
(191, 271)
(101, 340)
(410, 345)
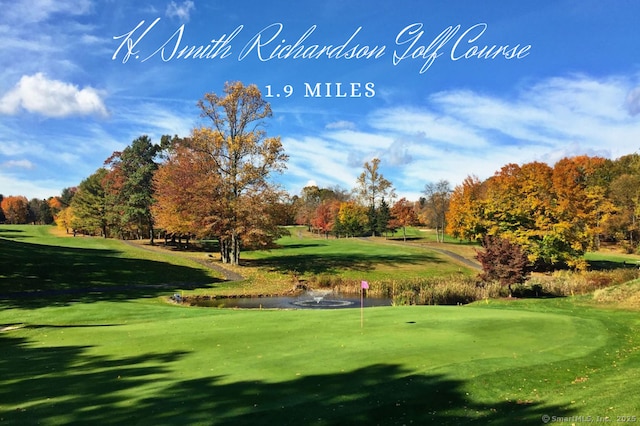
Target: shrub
(503, 261)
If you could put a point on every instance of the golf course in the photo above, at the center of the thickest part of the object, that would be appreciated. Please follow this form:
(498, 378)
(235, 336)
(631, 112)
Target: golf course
(89, 335)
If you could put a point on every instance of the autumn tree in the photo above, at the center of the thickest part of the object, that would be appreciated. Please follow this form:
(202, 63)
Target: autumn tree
(518, 206)
(55, 206)
(464, 218)
(65, 219)
(351, 219)
(185, 189)
(579, 205)
(232, 163)
(437, 198)
(403, 214)
(324, 217)
(503, 261)
(285, 209)
(15, 209)
(625, 195)
(59, 204)
(371, 188)
(553, 214)
(311, 197)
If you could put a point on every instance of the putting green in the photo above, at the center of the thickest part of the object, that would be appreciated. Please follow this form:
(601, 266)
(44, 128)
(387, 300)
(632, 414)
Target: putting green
(90, 360)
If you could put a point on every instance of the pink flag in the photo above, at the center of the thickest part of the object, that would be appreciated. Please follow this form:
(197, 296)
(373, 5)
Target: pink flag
(364, 284)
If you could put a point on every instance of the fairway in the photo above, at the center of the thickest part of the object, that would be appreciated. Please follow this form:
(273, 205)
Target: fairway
(141, 360)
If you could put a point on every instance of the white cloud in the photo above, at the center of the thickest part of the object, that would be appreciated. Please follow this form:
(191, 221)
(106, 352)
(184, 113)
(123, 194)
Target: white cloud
(399, 153)
(35, 11)
(11, 147)
(438, 128)
(318, 159)
(51, 98)
(633, 101)
(341, 124)
(31, 188)
(22, 164)
(181, 11)
(155, 118)
(551, 115)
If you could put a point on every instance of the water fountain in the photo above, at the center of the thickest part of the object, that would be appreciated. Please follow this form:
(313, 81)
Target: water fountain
(318, 299)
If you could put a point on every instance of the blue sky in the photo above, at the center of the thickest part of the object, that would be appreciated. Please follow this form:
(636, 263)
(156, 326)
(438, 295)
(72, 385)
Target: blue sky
(81, 79)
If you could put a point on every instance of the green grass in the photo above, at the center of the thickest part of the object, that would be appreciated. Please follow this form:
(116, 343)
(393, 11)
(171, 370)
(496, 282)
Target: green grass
(38, 268)
(353, 258)
(111, 359)
(425, 235)
(604, 260)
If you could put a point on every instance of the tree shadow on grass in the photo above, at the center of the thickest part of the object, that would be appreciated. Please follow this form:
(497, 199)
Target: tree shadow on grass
(34, 275)
(12, 233)
(52, 385)
(334, 263)
(69, 385)
(608, 265)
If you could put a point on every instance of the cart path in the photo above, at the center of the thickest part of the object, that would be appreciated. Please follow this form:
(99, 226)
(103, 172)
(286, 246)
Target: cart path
(460, 259)
(464, 260)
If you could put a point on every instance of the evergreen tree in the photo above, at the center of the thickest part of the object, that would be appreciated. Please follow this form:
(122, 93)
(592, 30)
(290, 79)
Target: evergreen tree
(131, 186)
(90, 205)
(383, 217)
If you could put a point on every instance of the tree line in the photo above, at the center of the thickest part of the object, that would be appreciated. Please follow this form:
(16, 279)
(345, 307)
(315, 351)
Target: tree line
(16, 209)
(554, 213)
(217, 183)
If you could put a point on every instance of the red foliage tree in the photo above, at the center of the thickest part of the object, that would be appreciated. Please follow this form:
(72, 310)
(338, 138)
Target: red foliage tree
(503, 261)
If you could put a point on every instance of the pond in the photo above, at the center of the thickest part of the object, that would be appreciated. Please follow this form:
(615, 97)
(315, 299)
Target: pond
(309, 300)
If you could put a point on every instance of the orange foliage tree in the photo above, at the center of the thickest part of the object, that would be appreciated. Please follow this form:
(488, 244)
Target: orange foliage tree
(16, 209)
(403, 214)
(554, 214)
(325, 215)
(464, 217)
(216, 182)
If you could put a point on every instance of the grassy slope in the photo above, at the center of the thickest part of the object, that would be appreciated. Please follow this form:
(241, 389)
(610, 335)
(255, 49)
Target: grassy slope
(354, 258)
(63, 269)
(139, 360)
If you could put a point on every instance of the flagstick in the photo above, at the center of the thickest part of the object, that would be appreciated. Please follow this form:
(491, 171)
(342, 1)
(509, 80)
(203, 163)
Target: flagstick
(363, 286)
(361, 307)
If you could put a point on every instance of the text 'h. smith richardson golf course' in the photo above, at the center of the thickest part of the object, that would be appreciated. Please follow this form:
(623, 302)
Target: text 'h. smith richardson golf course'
(269, 44)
